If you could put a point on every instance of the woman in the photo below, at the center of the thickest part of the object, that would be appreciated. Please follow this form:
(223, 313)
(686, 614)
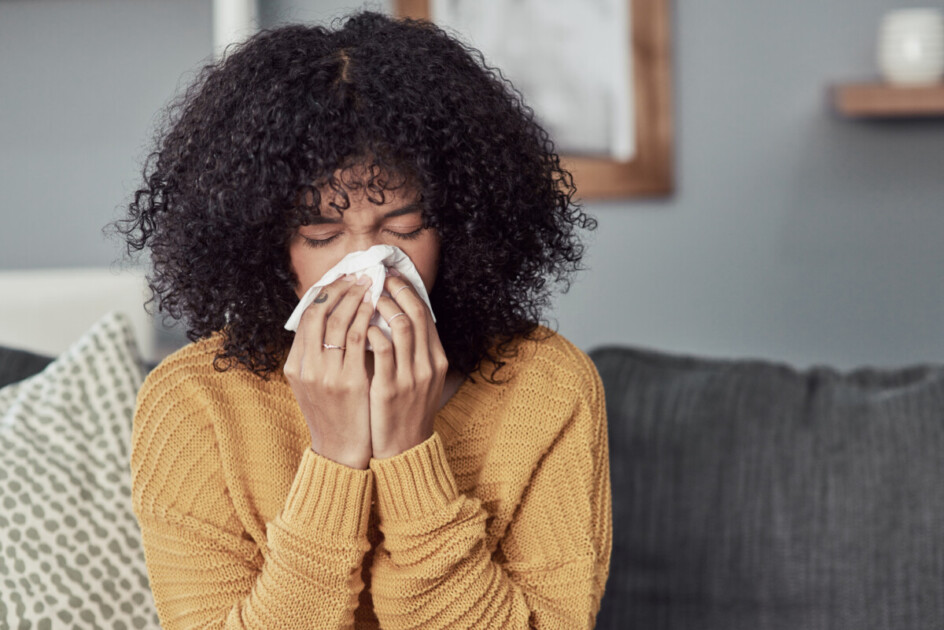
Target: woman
(454, 476)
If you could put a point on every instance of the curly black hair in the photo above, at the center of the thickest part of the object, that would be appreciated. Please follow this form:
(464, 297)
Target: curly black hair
(288, 110)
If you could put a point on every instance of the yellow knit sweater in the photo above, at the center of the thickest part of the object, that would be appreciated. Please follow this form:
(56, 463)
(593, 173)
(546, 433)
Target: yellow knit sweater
(502, 519)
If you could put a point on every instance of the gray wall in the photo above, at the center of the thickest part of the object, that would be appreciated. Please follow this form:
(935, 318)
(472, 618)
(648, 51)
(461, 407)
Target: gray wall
(80, 85)
(794, 235)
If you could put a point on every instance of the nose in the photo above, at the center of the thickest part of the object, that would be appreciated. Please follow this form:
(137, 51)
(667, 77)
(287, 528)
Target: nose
(363, 241)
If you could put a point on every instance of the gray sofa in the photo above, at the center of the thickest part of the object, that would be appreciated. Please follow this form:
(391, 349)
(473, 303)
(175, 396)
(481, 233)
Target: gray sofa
(751, 496)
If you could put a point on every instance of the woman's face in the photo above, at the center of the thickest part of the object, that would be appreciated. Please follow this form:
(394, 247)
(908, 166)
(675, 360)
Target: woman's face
(316, 248)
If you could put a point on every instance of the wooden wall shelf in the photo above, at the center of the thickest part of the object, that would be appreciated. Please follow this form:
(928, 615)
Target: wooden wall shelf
(880, 100)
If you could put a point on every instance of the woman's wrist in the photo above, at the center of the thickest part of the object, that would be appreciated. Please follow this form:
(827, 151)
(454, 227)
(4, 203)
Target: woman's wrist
(357, 462)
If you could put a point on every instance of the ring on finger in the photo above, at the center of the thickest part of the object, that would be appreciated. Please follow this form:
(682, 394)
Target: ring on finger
(394, 317)
(405, 286)
(331, 346)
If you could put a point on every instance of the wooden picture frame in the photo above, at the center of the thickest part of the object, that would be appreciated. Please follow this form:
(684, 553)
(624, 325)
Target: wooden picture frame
(650, 172)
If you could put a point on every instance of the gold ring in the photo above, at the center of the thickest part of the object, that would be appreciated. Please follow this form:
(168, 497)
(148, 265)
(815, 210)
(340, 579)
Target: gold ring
(331, 346)
(394, 317)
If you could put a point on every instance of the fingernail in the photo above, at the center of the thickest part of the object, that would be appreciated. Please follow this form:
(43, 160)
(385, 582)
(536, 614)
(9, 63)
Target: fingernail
(348, 277)
(392, 272)
(367, 296)
(363, 280)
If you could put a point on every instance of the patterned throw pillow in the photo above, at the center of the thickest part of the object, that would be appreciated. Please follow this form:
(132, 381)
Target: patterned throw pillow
(70, 552)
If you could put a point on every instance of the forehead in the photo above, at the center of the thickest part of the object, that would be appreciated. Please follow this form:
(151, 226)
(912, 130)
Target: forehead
(364, 186)
(361, 199)
(358, 204)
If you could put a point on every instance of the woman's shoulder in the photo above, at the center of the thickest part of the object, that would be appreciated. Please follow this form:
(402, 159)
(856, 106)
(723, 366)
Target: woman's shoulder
(192, 371)
(548, 357)
(546, 385)
(189, 361)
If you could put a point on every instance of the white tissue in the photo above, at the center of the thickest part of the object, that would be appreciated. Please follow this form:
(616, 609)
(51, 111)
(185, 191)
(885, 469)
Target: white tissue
(372, 263)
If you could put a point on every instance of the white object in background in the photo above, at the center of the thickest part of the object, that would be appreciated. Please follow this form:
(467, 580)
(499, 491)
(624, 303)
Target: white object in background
(372, 263)
(572, 66)
(46, 310)
(911, 47)
(233, 21)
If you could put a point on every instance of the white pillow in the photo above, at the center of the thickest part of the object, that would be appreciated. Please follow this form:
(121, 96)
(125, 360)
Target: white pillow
(70, 550)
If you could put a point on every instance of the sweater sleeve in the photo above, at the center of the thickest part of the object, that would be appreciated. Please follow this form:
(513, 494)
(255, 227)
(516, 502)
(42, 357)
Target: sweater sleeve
(433, 569)
(204, 570)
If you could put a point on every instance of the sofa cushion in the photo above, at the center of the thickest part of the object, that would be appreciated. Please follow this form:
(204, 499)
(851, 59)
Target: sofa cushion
(750, 495)
(70, 551)
(15, 365)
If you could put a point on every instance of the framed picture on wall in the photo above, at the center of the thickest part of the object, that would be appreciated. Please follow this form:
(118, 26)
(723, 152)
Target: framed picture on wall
(597, 74)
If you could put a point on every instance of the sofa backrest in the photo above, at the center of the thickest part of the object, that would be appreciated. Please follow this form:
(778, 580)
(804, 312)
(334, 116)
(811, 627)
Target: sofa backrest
(750, 495)
(16, 365)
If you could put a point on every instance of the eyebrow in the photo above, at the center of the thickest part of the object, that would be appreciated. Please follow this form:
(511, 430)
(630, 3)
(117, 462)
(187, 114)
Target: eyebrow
(407, 209)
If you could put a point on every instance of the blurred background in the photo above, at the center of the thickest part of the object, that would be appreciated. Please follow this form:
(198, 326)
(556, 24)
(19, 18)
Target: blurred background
(793, 234)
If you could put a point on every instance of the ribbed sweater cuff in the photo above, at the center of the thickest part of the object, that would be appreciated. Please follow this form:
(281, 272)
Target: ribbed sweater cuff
(414, 483)
(328, 497)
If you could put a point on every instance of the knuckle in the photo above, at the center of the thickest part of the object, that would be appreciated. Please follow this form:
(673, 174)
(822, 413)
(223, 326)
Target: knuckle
(385, 394)
(291, 363)
(343, 281)
(308, 315)
(404, 293)
(354, 294)
(331, 383)
(423, 376)
(384, 347)
(400, 323)
(354, 337)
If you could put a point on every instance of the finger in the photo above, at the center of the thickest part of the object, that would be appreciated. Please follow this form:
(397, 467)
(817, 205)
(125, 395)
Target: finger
(312, 324)
(336, 327)
(410, 303)
(396, 286)
(299, 364)
(405, 295)
(310, 331)
(339, 320)
(437, 352)
(295, 352)
(401, 328)
(384, 364)
(357, 338)
(433, 342)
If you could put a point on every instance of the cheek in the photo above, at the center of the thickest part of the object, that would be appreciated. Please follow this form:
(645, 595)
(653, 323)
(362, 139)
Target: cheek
(308, 265)
(426, 259)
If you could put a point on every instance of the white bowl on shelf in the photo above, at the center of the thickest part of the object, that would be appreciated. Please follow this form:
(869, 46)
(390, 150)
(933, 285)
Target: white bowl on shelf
(911, 47)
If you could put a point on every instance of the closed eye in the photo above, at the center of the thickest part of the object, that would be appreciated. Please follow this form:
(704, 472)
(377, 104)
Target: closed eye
(409, 235)
(321, 242)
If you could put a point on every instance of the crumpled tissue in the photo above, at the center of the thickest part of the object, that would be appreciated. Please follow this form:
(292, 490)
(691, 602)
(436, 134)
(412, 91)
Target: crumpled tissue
(373, 263)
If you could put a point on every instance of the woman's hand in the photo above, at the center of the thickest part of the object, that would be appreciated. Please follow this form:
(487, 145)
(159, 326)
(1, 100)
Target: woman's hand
(409, 372)
(331, 385)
